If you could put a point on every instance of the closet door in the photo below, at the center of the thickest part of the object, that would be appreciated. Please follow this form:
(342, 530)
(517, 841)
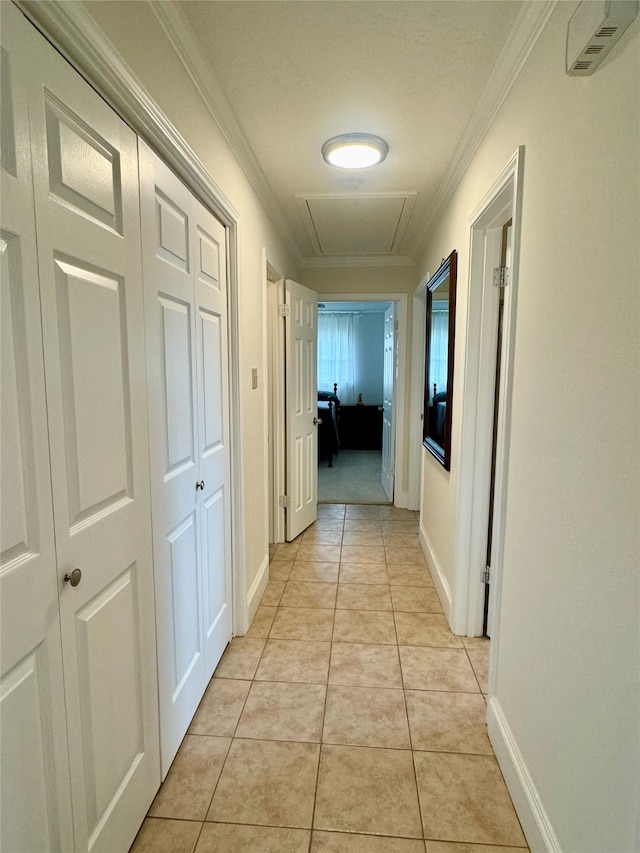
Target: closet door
(87, 220)
(212, 371)
(185, 309)
(34, 781)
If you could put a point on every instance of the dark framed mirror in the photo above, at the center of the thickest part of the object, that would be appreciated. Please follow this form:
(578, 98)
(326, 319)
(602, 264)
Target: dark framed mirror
(440, 343)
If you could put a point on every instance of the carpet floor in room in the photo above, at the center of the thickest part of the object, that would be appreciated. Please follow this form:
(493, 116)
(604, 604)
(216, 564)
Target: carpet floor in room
(354, 478)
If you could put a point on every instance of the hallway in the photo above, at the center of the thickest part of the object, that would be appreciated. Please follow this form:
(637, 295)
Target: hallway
(348, 707)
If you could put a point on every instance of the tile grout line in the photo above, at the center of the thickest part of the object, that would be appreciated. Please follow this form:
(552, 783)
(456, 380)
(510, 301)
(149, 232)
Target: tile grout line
(473, 670)
(324, 716)
(413, 761)
(235, 729)
(253, 681)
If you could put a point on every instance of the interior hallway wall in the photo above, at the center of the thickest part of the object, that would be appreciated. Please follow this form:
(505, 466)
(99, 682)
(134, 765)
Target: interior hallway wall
(136, 34)
(567, 675)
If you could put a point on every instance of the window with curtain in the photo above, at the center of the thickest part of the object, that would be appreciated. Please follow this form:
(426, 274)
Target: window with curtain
(336, 360)
(438, 356)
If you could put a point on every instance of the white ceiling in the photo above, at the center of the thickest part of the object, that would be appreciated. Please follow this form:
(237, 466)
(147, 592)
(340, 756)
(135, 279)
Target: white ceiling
(282, 76)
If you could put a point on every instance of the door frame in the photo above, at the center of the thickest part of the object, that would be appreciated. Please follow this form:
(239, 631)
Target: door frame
(76, 35)
(402, 496)
(416, 409)
(274, 360)
(503, 201)
(394, 361)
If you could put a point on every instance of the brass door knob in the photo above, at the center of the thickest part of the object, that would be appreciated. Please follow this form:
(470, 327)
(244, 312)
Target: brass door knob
(73, 577)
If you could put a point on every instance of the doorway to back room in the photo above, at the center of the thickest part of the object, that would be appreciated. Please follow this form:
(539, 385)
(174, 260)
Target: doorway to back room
(356, 376)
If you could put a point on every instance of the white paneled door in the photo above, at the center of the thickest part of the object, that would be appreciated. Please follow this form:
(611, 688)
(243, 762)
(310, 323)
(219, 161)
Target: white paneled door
(35, 793)
(388, 441)
(87, 217)
(186, 322)
(301, 342)
(89, 267)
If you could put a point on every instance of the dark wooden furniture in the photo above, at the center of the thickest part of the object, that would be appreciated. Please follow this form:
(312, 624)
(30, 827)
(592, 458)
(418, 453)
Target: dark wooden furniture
(328, 425)
(437, 415)
(361, 427)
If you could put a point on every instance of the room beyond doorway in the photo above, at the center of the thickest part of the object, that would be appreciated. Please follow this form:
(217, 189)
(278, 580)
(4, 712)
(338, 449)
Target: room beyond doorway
(356, 369)
(353, 479)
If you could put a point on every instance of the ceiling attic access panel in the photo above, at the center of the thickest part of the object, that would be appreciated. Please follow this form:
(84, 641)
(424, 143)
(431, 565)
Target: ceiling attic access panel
(356, 225)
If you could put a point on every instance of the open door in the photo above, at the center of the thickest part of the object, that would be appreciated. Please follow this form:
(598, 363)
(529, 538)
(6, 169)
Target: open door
(388, 444)
(505, 264)
(301, 337)
(276, 402)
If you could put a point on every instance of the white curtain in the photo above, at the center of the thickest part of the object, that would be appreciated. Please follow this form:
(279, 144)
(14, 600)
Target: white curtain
(336, 358)
(438, 355)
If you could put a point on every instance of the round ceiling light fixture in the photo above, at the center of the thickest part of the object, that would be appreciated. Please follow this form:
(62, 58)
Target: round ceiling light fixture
(354, 150)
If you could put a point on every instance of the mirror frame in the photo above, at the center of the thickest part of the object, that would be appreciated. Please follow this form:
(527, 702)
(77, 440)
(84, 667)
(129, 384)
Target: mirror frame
(448, 268)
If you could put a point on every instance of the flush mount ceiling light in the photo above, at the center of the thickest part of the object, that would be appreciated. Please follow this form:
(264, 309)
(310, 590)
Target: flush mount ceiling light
(355, 150)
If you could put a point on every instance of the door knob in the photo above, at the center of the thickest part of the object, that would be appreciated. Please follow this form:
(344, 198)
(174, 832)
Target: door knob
(200, 485)
(73, 577)
(317, 421)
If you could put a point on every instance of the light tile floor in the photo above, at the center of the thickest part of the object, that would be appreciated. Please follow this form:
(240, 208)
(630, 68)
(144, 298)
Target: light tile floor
(348, 720)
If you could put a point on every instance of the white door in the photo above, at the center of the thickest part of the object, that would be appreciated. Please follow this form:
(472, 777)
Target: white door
(276, 397)
(212, 372)
(388, 442)
(88, 226)
(301, 339)
(185, 311)
(35, 793)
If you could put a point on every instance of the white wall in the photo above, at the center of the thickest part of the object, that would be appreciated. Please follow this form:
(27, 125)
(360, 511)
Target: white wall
(567, 674)
(136, 34)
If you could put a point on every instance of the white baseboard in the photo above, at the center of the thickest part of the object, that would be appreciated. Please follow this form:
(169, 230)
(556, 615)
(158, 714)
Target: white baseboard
(256, 591)
(534, 819)
(439, 580)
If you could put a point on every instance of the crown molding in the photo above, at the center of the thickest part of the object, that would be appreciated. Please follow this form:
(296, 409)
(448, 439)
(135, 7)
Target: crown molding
(525, 33)
(77, 36)
(521, 41)
(194, 59)
(335, 261)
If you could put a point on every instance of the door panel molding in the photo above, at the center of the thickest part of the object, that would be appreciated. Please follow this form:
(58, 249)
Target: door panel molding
(36, 795)
(98, 506)
(73, 31)
(274, 438)
(89, 273)
(188, 400)
(301, 340)
(29, 822)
